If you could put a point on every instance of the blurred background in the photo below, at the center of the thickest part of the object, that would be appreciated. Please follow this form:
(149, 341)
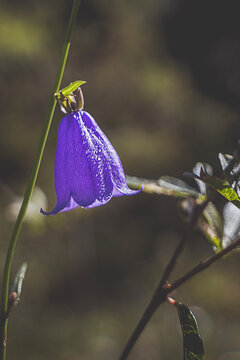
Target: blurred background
(163, 82)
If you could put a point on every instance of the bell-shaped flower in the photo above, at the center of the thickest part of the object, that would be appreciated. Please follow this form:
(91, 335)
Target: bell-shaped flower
(88, 171)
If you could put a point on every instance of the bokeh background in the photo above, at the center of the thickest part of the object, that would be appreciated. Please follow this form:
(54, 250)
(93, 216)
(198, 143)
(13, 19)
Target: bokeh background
(163, 82)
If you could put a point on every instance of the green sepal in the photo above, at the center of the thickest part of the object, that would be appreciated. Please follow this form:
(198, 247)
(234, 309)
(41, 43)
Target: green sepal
(70, 98)
(68, 90)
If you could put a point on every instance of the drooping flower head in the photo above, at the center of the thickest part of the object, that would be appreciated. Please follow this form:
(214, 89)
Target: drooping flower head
(88, 171)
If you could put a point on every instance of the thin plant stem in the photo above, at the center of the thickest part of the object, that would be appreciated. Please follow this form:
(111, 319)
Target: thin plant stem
(32, 181)
(203, 265)
(160, 294)
(156, 302)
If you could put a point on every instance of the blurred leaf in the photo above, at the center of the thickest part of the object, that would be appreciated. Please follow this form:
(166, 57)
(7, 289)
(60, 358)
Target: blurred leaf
(186, 208)
(211, 225)
(32, 216)
(192, 343)
(18, 281)
(231, 221)
(166, 185)
(21, 38)
(197, 170)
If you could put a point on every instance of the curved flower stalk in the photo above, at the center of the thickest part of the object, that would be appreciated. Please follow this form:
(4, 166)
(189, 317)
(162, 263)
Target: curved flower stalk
(88, 171)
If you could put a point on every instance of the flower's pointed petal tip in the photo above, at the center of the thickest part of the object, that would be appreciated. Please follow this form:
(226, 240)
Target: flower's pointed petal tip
(55, 211)
(59, 208)
(116, 192)
(137, 191)
(133, 192)
(125, 191)
(43, 212)
(47, 213)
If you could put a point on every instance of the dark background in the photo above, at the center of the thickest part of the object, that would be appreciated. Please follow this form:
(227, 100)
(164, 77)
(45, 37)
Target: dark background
(163, 82)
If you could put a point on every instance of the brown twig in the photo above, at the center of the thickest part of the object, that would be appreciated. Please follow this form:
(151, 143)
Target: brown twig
(160, 293)
(166, 290)
(202, 266)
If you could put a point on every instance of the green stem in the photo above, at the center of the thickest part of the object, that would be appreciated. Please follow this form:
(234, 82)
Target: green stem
(31, 183)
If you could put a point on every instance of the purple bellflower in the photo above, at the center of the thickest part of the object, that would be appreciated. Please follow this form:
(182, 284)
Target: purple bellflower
(88, 171)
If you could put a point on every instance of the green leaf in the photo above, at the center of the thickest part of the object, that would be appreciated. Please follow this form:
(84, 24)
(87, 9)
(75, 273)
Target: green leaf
(210, 223)
(229, 194)
(166, 185)
(225, 190)
(18, 281)
(68, 90)
(192, 343)
(219, 185)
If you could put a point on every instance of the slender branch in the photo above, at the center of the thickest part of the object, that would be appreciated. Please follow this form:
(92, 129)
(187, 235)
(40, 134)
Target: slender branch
(31, 182)
(156, 302)
(160, 294)
(202, 266)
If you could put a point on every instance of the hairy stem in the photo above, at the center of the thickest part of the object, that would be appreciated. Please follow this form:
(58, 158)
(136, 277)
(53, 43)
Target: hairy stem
(31, 183)
(160, 293)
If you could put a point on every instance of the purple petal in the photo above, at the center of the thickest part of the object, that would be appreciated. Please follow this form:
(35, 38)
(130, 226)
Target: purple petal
(61, 183)
(77, 169)
(88, 171)
(98, 163)
(73, 178)
(114, 163)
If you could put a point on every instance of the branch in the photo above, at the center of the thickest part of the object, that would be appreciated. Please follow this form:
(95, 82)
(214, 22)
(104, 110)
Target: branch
(202, 266)
(155, 302)
(160, 293)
